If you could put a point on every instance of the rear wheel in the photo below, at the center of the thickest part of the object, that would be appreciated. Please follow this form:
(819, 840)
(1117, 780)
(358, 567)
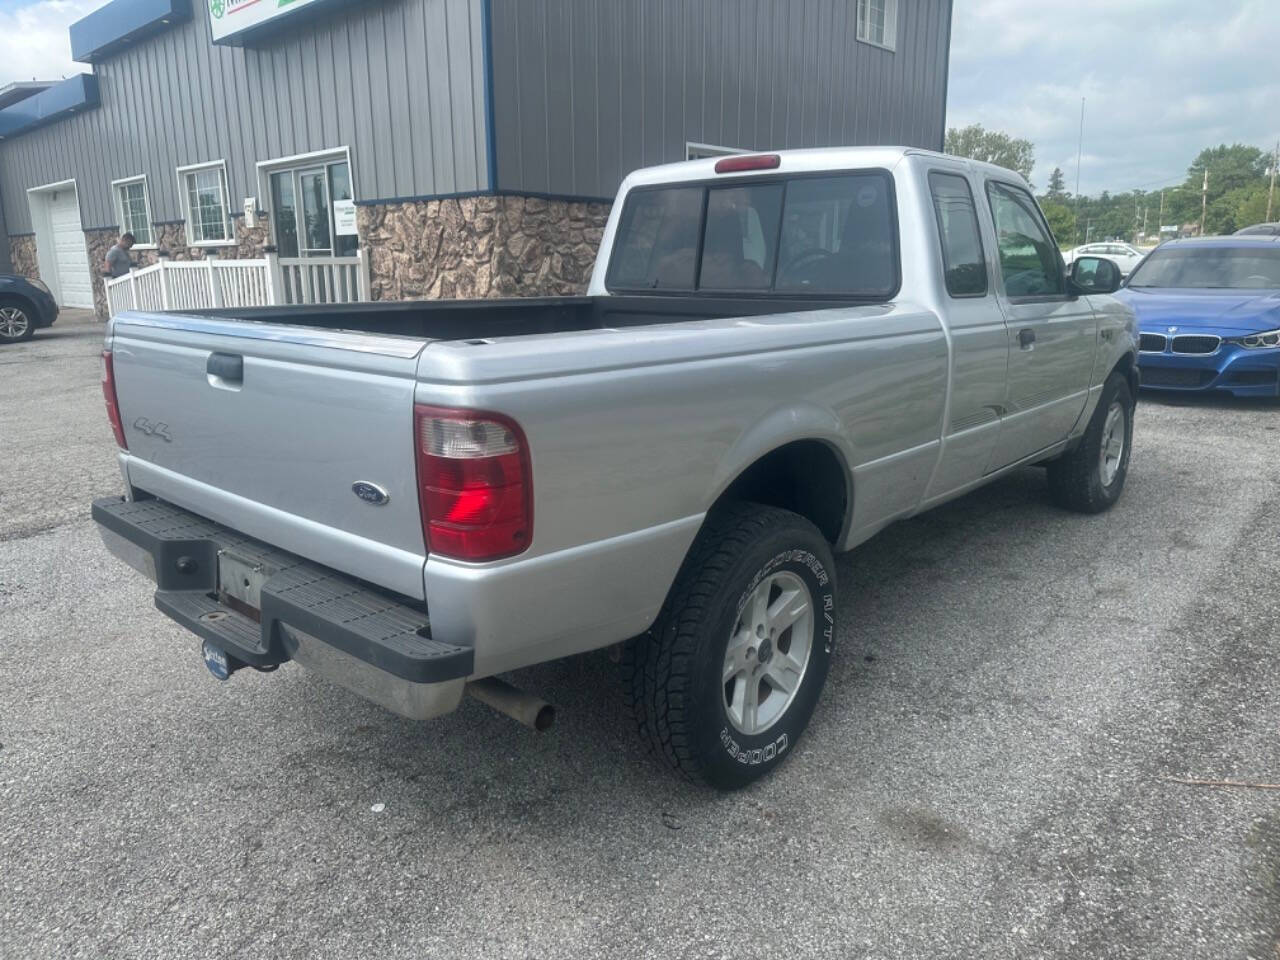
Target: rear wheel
(16, 322)
(725, 682)
(1091, 478)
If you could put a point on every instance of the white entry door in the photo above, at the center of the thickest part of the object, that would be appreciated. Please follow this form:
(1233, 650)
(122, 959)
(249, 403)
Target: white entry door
(70, 255)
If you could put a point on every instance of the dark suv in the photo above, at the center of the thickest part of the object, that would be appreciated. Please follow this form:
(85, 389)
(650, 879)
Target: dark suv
(24, 306)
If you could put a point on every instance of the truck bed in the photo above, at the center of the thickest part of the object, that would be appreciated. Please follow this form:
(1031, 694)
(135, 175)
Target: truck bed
(484, 319)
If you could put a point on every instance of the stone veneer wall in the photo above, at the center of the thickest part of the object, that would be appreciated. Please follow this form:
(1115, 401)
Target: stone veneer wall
(488, 246)
(22, 253)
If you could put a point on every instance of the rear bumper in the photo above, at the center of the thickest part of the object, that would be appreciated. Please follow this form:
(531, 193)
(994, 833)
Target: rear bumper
(373, 643)
(1241, 371)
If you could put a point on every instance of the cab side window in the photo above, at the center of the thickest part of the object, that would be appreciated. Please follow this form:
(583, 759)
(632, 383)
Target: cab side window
(964, 266)
(1029, 260)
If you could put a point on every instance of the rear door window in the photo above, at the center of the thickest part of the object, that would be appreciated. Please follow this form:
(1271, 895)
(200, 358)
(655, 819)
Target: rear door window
(829, 236)
(965, 267)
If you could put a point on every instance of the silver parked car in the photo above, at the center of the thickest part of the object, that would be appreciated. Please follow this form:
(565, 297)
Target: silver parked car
(778, 355)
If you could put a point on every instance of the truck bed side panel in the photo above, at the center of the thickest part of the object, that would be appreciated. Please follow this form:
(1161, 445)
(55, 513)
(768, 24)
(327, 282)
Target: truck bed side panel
(634, 433)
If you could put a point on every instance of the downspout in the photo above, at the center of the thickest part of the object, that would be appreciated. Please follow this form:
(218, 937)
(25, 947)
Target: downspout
(6, 262)
(946, 77)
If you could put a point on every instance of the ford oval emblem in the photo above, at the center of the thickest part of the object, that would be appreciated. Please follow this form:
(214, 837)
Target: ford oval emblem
(370, 493)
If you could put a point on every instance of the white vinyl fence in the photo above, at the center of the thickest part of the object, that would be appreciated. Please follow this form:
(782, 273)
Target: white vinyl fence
(212, 283)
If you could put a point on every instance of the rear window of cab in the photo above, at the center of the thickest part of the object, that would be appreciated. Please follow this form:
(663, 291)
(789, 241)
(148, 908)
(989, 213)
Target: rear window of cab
(828, 235)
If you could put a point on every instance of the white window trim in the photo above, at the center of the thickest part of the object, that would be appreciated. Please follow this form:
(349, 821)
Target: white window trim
(706, 151)
(315, 158)
(146, 199)
(184, 196)
(890, 25)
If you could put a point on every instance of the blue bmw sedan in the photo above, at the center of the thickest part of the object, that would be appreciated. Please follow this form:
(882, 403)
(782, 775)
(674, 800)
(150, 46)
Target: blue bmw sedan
(1209, 315)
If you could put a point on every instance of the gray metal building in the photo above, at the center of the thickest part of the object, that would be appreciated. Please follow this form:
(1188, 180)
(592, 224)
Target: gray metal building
(477, 140)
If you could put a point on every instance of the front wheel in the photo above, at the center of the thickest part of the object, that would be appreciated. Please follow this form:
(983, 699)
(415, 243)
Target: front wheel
(16, 323)
(1091, 478)
(725, 682)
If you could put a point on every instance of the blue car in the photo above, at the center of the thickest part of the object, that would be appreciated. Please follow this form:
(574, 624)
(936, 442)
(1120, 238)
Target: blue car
(1209, 315)
(24, 306)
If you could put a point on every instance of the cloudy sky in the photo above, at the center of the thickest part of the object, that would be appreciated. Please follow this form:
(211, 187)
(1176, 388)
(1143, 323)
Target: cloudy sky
(1161, 78)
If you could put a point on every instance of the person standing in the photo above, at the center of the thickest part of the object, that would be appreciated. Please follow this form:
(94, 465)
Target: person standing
(117, 260)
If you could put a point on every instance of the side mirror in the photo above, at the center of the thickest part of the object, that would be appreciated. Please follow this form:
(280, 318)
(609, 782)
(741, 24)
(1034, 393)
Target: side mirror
(1092, 275)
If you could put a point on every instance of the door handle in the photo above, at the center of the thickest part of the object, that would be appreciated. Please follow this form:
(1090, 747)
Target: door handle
(225, 369)
(1027, 339)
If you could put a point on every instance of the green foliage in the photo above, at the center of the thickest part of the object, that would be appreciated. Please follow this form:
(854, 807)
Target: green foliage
(1062, 221)
(992, 146)
(1237, 197)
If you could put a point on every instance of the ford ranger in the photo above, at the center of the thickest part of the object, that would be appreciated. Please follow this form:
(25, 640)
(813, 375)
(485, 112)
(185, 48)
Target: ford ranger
(777, 356)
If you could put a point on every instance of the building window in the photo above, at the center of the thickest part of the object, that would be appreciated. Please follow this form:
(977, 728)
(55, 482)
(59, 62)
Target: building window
(878, 23)
(706, 151)
(133, 209)
(204, 203)
(312, 204)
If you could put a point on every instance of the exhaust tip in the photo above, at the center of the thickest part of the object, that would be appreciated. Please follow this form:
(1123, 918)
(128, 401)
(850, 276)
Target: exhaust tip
(524, 708)
(544, 718)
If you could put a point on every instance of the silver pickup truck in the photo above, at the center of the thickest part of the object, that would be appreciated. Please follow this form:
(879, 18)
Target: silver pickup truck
(778, 355)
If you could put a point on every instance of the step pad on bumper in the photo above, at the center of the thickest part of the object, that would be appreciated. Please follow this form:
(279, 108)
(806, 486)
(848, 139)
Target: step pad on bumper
(180, 551)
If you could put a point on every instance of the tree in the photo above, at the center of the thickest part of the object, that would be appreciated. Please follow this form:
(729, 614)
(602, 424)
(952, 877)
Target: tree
(1062, 221)
(1057, 185)
(1229, 167)
(992, 146)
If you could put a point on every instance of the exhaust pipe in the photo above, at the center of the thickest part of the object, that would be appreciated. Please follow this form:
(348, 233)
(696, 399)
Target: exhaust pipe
(525, 708)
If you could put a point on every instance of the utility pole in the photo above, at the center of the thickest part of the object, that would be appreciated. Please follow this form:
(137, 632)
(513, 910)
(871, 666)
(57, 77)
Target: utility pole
(1079, 154)
(1136, 216)
(1144, 221)
(1271, 193)
(1204, 199)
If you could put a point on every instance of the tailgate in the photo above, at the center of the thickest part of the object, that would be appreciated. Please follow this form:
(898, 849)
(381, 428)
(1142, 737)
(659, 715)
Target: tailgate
(268, 429)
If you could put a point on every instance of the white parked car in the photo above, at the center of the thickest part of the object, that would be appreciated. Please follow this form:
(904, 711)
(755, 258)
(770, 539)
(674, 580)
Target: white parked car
(1124, 255)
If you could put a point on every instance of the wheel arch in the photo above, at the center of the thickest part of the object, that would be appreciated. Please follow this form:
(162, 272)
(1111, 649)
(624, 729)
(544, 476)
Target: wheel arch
(1128, 365)
(804, 469)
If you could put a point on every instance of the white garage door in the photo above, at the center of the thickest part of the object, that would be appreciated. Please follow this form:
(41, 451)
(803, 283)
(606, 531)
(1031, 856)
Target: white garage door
(70, 255)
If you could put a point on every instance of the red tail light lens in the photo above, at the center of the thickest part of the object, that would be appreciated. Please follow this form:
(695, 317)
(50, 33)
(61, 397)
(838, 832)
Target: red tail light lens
(741, 164)
(475, 484)
(109, 395)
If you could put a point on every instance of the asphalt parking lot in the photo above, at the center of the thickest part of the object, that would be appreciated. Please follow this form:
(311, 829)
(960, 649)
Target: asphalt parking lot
(991, 772)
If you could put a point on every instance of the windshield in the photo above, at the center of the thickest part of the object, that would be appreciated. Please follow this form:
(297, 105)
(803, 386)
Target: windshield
(1210, 268)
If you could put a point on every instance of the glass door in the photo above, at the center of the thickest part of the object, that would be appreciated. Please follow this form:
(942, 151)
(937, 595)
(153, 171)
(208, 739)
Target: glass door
(302, 201)
(314, 213)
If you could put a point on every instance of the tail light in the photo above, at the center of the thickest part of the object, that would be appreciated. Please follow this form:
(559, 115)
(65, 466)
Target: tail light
(109, 395)
(475, 484)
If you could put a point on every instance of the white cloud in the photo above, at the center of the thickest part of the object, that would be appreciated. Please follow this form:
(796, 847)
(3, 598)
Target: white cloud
(1162, 79)
(34, 43)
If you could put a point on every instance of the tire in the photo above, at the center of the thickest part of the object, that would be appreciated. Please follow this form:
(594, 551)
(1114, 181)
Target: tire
(674, 676)
(1081, 480)
(16, 321)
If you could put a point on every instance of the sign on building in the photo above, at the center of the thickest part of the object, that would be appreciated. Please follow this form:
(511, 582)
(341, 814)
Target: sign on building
(232, 17)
